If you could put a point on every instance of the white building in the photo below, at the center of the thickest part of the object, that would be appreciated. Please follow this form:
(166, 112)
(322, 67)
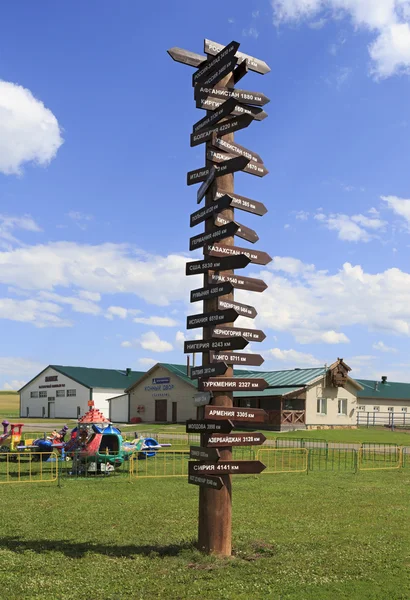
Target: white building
(61, 392)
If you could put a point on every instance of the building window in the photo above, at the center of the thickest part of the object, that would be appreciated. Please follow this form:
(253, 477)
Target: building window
(342, 406)
(361, 408)
(60, 393)
(71, 392)
(404, 409)
(376, 408)
(43, 394)
(322, 406)
(33, 394)
(390, 408)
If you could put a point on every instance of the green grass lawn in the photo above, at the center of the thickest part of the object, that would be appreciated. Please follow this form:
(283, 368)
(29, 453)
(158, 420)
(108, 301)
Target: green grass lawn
(296, 537)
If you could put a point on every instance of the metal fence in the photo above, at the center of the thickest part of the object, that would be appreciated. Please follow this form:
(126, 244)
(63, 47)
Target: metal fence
(376, 418)
(283, 460)
(28, 467)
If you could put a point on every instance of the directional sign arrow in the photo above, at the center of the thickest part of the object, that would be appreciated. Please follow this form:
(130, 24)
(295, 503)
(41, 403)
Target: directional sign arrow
(212, 291)
(206, 319)
(195, 426)
(223, 168)
(254, 64)
(235, 358)
(219, 440)
(222, 110)
(223, 93)
(219, 344)
(244, 203)
(240, 282)
(208, 371)
(219, 233)
(244, 310)
(227, 467)
(240, 71)
(253, 335)
(187, 57)
(251, 167)
(227, 126)
(235, 149)
(210, 71)
(255, 256)
(234, 385)
(202, 214)
(206, 185)
(256, 415)
(204, 453)
(207, 481)
(210, 103)
(228, 263)
(243, 232)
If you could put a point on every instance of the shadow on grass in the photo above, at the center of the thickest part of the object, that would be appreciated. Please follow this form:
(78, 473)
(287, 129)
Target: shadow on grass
(74, 549)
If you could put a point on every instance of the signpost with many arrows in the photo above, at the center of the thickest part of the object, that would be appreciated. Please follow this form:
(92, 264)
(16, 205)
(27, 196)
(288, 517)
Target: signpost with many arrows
(228, 110)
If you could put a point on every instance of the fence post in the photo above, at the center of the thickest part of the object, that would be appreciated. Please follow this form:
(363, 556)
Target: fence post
(58, 471)
(355, 461)
(368, 416)
(392, 421)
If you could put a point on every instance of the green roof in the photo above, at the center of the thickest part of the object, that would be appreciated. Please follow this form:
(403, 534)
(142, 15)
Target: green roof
(180, 371)
(389, 390)
(103, 378)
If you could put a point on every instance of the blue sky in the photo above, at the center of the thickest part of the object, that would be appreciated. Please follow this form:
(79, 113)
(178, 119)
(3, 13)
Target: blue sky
(94, 209)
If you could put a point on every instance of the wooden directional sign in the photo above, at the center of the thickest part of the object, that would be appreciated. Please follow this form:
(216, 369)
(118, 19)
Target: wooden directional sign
(240, 282)
(206, 185)
(220, 344)
(240, 71)
(235, 358)
(209, 72)
(217, 156)
(219, 264)
(222, 110)
(237, 109)
(246, 233)
(254, 64)
(244, 203)
(208, 371)
(255, 256)
(214, 384)
(204, 453)
(205, 213)
(254, 415)
(227, 467)
(244, 310)
(228, 126)
(216, 234)
(253, 335)
(207, 481)
(235, 149)
(212, 291)
(206, 319)
(186, 57)
(219, 440)
(223, 93)
(223, 168)
(195, 426)
(202, 398)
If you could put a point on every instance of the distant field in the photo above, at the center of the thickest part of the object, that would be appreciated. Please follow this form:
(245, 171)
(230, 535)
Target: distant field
(9, 404)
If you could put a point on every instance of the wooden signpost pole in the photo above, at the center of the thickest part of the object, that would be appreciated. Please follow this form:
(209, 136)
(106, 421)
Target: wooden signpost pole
(215, 506)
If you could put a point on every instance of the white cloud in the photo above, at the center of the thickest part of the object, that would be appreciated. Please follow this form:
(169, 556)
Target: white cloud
(93, 296)
(294, 357)
(16, 366)
(180, 339)
(383, 348)
(302, 215)
(37, 312)
(287, 264)
(120, 312)
(80, 219)
(387, 19)
(29, 132)
(14, 384)
(126, 344)
(400, 206)
(152, 341)
(255, 14)
(8, 224)
(319, 24)
(251, 32)
(156, 321)
(80, 305)
(147, 362)
(351, 228)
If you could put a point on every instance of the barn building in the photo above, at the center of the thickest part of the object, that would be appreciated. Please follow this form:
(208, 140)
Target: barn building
(383, 402)
(60, 392)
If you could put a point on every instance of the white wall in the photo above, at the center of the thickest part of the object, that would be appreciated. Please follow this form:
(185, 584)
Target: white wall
(118, 409)
(146, 392)
(100, 397)
(333, 395)
(65, 407)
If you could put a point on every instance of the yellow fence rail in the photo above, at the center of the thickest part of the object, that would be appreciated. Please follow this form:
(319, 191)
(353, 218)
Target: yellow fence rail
(28, 467)
(283, 460)
(166, 463)
(377, 460)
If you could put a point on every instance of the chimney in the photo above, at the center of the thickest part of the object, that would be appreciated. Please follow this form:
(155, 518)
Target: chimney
(127, 371)
(384, 378)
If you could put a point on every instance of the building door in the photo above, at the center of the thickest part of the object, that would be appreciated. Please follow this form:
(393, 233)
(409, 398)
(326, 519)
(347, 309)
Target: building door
(160, 410)
(174, 412)
(51, 408)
